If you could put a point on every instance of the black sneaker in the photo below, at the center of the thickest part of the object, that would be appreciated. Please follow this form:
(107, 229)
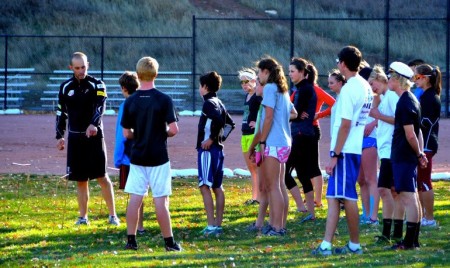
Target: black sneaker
(131, 246)
(174, 247)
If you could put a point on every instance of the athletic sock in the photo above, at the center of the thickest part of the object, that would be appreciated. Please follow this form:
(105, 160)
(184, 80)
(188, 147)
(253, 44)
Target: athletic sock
(353, 246)
(398, 229)
(132, 239)
(325, 245)
(416, 236)
(387, 224)
(410, 234)
(169, 241)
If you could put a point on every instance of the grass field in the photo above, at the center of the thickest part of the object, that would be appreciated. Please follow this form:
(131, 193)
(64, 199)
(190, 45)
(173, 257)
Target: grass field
(37, 215)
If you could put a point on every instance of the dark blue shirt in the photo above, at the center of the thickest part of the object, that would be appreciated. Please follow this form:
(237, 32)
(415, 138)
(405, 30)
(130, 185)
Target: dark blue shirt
(406, 113)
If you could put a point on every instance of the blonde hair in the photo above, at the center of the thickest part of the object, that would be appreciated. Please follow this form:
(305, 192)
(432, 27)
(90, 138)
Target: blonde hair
(378, 74)
(147, 69)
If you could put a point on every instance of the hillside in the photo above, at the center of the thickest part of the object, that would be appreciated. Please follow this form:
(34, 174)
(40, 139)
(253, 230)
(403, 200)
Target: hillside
(321, 29)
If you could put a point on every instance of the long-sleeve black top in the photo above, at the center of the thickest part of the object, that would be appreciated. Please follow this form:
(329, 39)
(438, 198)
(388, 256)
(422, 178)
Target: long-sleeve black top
(81, 103)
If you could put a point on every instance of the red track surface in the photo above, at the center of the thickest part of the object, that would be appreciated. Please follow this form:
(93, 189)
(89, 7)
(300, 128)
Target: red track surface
(30, 140)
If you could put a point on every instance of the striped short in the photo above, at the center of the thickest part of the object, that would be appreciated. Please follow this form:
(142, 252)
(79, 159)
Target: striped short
(210, 167)
(342, 184)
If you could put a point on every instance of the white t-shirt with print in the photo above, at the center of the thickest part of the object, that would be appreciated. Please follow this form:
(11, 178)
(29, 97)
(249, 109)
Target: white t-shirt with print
(355, 101)
(385, 130)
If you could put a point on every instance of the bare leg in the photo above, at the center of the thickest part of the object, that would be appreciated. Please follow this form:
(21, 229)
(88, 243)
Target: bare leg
(410, 202)
(133, 214)
(332, 219)
(208, 203)
(83, 197)
(351, 213)
(285, 195)
(427, 201)
(295, 193)
(318, 186)
(220, 206)
(369, 164)
(388, 202)
(163, 215)
(263, 202)
(141, 218)
(272, 168)
(310, 203)
(253, 174)
(364, 191)
(108, 194)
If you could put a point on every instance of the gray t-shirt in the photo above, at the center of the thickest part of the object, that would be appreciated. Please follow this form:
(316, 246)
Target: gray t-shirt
(280, 132)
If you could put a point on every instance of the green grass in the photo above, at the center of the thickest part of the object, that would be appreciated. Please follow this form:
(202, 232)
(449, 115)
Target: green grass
(37, 215)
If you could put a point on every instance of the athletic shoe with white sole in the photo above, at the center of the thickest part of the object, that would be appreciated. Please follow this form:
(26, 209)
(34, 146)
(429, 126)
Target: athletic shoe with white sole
(174, 247)
(82, 221)
(114, 220)
(322, 252)
(428, 223)
(347, 250)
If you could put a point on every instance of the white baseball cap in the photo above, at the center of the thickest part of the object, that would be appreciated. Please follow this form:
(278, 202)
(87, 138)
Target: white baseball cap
(401, 69)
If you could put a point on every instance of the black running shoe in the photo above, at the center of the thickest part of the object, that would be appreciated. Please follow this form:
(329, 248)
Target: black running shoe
(131, 246)
(174, 247)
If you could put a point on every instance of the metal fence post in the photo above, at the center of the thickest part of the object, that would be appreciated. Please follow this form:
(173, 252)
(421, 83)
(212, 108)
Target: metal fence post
(447, 63)
(193, 63)
(387, 28)
(5, 102)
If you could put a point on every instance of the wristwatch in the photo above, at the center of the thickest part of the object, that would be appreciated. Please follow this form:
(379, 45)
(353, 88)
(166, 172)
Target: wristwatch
(262, 142)
(334, 154)
(420, 156)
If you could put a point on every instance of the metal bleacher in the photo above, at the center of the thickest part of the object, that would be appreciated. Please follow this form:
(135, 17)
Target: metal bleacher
(175, 84)
(17, 83)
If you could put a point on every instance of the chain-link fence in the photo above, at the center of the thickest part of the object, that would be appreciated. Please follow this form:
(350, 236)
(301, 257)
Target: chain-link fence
(33, 66)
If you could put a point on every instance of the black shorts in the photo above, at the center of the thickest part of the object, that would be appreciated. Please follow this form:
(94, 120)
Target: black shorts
(86, 157)
(385, 177)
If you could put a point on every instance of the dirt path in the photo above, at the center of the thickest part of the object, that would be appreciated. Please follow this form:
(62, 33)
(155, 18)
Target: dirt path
(30, 140)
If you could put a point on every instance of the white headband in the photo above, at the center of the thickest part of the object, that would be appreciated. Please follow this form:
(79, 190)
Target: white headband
(247, 74)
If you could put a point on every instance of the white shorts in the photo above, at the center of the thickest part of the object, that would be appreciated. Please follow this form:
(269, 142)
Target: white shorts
(158, 178)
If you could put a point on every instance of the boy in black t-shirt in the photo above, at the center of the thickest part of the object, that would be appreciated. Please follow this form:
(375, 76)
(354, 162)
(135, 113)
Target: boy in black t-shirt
(149, 118)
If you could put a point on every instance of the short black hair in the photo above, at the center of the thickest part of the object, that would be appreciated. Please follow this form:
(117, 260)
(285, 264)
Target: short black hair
(351, 56)
(212, 80)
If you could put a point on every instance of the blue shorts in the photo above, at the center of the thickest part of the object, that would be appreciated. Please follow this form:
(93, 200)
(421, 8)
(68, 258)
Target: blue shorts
(369, 142)
(405, 177)
(342, 184)
(210, 167)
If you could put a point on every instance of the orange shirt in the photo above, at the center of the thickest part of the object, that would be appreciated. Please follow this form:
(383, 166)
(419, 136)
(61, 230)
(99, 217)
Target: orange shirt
(322, 97)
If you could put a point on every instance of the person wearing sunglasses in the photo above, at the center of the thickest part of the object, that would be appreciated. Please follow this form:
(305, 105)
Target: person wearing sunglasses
(252, 102)
(407, 151)
(429, 79)
(418, 91)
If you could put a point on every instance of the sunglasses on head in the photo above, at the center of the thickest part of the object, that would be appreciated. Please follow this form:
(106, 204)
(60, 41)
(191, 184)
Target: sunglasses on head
(243, 82)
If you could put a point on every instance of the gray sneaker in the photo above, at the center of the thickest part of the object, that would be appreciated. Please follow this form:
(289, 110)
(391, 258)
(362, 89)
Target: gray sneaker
(253, 228)
(321, 252)
(82, 221)
(114, 220)
(347, 250)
